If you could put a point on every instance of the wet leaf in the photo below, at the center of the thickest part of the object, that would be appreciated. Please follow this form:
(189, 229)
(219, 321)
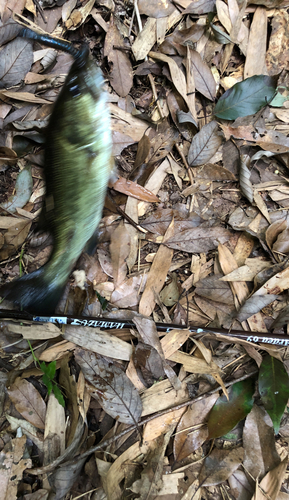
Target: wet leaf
(273, 386)
(204, 145)
(246, 98)
(226, 414)
(112, 388)
(28, 402)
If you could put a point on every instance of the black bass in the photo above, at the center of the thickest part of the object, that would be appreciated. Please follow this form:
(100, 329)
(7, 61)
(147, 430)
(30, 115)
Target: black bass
(77, 170)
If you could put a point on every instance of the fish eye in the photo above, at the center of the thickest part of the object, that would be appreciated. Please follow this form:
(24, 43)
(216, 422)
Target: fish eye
(74, 90)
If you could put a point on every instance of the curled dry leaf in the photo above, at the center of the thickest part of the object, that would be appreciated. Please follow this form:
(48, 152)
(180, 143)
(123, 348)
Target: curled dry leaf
(274, 230)
(204, 145)
(135, 190)
(245, 174)
(112, 388)
(119, 250)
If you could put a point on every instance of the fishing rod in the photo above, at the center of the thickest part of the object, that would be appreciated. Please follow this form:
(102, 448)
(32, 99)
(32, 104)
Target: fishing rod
(118, 324)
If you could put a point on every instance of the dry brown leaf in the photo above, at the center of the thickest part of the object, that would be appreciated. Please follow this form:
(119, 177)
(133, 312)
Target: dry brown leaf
(28, 402)
(192, 432)
(245, 174)
(278, 51)
(193, 364)
(126, 129)
(204, 80)
(135, 190)
(173, 340)
(161, 424)
(256, 52)
(119, 251)
(111, 387)
(24, 96)
(156, 8)
(274, 230)
(259, 443)
(282, 243)
(271, 484)
(162, 396)
(148, 332)
(269, 140)
(13, 466)
(198, 239)
(121, 467)
(178, 79)
(128, 293)
(121, 73)
(96, 341)
(204, 144)
(54, 433)
(157, 275)
(220, 465)
(34, 331)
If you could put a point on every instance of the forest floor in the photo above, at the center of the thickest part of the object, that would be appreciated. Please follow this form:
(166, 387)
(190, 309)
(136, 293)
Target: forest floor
(194, 234)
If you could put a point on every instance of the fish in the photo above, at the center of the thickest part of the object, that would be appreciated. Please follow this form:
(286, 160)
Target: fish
(77, 169)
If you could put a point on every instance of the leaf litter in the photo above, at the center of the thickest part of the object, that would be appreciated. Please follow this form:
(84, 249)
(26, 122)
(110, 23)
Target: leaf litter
(198, 95)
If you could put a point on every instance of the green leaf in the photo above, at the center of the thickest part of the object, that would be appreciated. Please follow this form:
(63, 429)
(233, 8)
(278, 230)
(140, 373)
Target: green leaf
(226, 414)
(274, 388)
(102, 300)
(246, 97)
(279, 100)
(220, 35)
(49, 369)
(58, 394)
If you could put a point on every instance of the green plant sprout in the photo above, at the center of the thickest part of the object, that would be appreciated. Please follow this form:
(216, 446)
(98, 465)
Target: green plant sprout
(48, 371)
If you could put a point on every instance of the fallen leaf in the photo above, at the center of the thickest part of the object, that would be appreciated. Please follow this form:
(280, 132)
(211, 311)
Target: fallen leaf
(121, 72)
(28, 402)
(111, 387)
(220, 465)
(204, 144)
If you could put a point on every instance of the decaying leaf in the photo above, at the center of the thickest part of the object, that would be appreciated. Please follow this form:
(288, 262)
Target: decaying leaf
(111, 387)
(204, 144)
(28, 402)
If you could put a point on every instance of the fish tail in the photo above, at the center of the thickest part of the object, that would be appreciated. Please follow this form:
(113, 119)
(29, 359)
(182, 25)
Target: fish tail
(34, 293)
